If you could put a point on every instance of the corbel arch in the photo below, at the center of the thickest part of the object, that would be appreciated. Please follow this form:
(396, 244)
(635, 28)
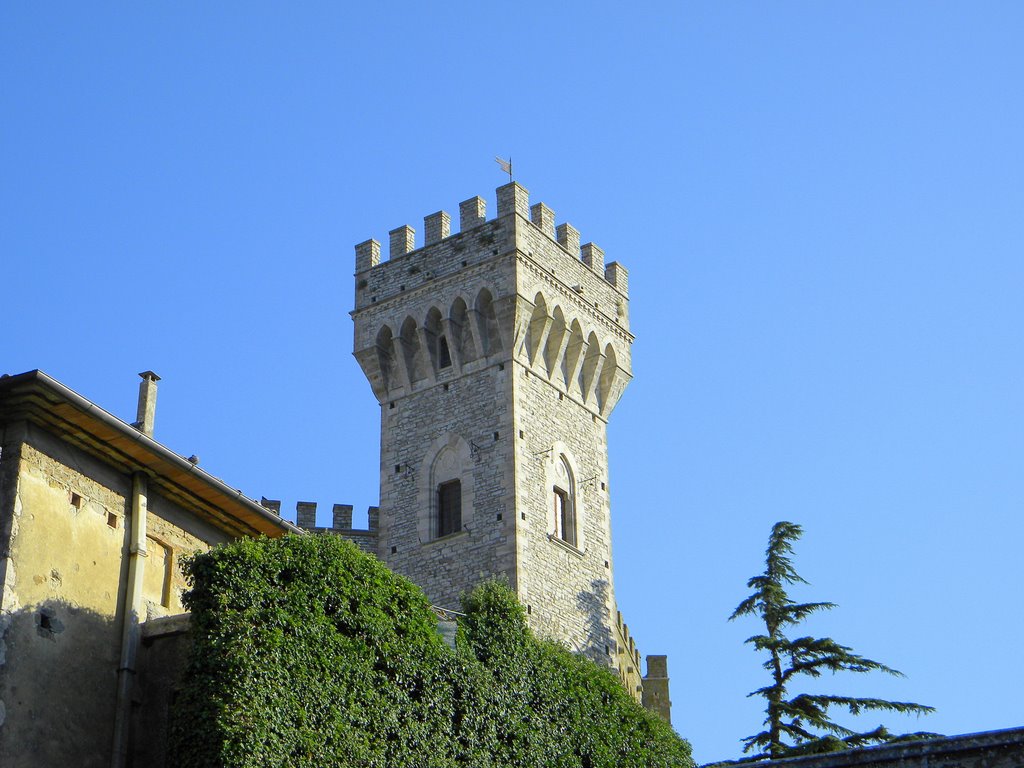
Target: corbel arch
(554, 346)
(537, 328)
(606, 378)
(462, 331)
(575, 350)
(385, 349)
(487, 319)
(589, 369)
(412, 352)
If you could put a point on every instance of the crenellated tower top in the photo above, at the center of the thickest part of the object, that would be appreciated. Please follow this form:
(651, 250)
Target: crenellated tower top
(518, 287)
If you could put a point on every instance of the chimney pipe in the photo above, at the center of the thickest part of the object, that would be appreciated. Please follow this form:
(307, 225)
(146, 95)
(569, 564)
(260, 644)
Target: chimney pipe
(147, 403)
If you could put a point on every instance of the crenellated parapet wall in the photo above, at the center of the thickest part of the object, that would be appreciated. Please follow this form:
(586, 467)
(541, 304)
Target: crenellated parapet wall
(341, 523)
(443, 252)
(627, 658)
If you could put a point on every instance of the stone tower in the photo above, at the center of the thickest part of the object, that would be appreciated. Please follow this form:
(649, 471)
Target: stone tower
(497, 355)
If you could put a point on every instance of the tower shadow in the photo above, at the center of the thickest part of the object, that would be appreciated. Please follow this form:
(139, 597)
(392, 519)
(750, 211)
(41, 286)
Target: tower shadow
(598, 617)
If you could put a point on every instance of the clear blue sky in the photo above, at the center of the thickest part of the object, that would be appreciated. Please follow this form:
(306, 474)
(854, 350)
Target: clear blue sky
(820, 205)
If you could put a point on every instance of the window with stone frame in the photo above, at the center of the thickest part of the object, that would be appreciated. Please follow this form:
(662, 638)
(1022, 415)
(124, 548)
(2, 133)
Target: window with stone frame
(563, 504)
(449, 508)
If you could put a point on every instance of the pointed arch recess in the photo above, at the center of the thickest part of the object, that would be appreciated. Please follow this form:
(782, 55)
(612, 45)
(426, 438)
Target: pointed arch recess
(553, 346)
(412, 352)
(386, 356)
(589, 367)
(462, 332)
(573, 357)
(488, 321)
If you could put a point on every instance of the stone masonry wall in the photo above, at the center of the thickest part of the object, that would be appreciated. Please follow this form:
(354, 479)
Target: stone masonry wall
(568, 589)
(472, 415)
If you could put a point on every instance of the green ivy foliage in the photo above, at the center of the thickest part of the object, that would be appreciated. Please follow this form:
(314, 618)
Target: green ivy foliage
(308, 652)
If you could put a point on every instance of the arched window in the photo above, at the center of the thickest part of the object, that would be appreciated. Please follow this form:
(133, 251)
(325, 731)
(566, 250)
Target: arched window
(563, 503)
(446, 491)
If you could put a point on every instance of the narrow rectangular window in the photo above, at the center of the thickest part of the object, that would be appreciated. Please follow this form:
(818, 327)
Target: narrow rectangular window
(565, 525)
(444, 355)
(449, 507)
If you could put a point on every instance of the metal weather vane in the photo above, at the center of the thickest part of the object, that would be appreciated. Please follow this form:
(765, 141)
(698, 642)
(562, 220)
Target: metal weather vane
(506, 166)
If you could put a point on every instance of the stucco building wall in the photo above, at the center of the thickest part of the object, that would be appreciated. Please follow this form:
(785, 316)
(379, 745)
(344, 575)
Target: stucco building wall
(93, 525)
(66, 539)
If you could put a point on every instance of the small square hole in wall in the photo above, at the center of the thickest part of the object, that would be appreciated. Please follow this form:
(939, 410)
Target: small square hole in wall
(501, 366)
(522, 515)
(111, 519)
(499, 516)
(602, 486)
(373, 300)
(391, 405)
(561, 396)
(465, 263)
(529, 609)
(401, 287)
(445, 387)
(607, 651)
(521, 434)
(394, 550)
(495, 436)
(605, 563)
(76, 501)
(398, 468)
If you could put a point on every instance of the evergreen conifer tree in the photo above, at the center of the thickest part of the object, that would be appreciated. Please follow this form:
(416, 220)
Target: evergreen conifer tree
(799, 725)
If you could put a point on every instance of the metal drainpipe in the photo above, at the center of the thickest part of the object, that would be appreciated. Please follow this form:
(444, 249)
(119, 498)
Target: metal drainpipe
(133, 609)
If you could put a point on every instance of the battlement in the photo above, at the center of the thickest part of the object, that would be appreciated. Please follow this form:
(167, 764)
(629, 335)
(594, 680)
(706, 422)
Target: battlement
(443, 252)
(627, 646)
(341, 523)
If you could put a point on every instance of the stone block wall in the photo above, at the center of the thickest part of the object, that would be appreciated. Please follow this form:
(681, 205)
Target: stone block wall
(341, 523)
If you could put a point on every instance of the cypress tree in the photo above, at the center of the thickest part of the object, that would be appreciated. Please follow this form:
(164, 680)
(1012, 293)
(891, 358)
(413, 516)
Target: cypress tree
(801, 724)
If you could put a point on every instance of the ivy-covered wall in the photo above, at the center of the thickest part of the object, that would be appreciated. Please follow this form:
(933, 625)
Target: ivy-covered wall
(308, 652)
